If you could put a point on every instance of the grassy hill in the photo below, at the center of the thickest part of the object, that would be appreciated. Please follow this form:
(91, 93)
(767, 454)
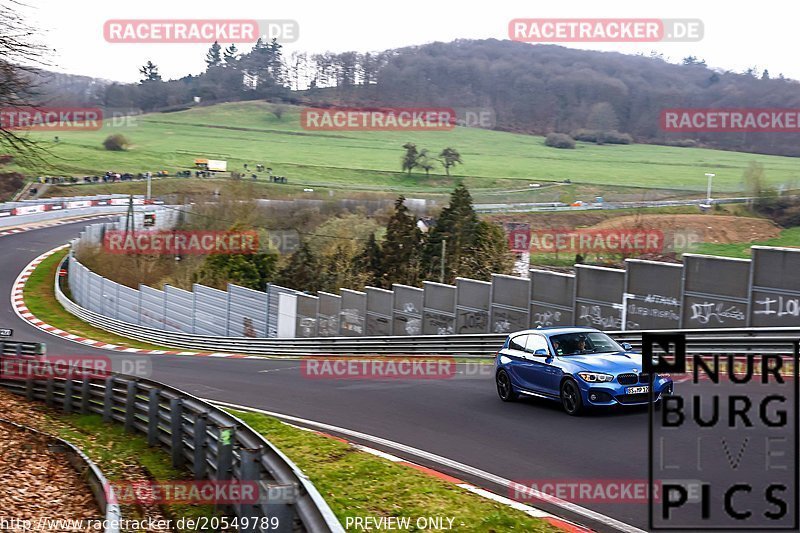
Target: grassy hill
(247, 132)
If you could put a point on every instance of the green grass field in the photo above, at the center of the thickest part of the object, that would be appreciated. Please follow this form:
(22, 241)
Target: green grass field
(247, 132)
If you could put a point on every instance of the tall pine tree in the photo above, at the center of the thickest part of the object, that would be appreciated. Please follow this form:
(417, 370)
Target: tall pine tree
(458, 224)
(302, 272)
(370, 262)
(401, 247)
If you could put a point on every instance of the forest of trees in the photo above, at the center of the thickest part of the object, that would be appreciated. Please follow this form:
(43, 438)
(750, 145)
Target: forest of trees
(531, 89)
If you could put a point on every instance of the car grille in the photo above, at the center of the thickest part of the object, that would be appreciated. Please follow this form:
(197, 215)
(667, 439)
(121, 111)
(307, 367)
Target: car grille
(632, 398)
(633, 379)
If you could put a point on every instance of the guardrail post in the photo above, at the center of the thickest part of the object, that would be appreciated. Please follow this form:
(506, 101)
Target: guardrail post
(225, 452)
(68, 386)
(249, 472)
(49, 389)
(29, 389)
(153, 410)
(176, 431)
(225, 458)
(85, 393)
(130, 405)
(200, 466)
(108, 399)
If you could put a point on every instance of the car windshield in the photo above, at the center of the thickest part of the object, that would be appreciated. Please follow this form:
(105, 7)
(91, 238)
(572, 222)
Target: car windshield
(584, 343)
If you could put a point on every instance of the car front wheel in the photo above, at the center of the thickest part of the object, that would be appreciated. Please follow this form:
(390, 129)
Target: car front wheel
(571, 398)
(504, 388)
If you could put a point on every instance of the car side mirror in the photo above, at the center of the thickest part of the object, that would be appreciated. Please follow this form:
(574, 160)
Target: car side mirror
(627, 346)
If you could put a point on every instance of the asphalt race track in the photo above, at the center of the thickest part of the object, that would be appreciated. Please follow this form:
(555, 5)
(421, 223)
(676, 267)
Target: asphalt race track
(461, 418)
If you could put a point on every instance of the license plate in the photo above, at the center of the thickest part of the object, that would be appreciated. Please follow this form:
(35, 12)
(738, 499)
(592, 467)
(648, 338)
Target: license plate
(638, 390)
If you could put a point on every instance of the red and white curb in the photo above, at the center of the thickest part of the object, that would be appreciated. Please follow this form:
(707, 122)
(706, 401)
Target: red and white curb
(22, 311)
(560, 523)
(23, 229)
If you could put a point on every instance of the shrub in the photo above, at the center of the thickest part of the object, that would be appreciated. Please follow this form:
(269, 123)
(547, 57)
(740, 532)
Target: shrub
(587, 136)
(559, 140)
(614, 137)
(116, 142)
(682, 143)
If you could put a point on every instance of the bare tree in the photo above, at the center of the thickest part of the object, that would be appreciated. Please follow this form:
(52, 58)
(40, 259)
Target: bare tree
(20, 60)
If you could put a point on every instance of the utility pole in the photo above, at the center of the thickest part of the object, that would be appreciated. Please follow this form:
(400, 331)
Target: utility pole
(149, 183)
(444, 255)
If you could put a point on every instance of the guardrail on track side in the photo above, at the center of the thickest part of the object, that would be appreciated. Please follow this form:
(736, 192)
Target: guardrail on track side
(210, 442)
(472, 345)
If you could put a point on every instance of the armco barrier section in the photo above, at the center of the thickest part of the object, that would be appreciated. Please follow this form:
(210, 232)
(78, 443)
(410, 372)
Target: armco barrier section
(209, 442)
(704, 292)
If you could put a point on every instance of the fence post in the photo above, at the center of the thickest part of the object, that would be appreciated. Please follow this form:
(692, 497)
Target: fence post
(49, 389)
(225, 458)
(68, 386)
(153, 411)
(29, 389)
(249, 471)
(85, 386)
(176, 431)
(130, 405)
(200, 466)
(108, 399)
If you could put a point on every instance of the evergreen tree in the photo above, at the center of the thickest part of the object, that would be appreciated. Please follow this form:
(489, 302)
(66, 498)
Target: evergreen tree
(487, 254)
(457, 223)
(230, 55)
(213, 57)
(150, 72)
(401, 247)
(302, 272)
(370, 262)
(253, 271)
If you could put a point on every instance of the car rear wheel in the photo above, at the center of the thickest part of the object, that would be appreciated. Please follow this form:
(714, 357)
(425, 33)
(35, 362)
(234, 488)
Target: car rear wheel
(571, 398)
(504, 388)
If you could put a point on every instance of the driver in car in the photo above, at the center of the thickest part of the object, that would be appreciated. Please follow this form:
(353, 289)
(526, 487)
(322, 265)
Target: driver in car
(582, 348)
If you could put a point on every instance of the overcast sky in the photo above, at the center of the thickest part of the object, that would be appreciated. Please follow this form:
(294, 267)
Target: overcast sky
(736, 37)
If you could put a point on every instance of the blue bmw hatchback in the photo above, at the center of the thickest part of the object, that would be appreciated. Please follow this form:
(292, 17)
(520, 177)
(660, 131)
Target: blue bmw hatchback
(579, 366)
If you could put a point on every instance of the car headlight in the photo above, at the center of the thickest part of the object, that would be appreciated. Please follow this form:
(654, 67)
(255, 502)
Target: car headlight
(595, 377)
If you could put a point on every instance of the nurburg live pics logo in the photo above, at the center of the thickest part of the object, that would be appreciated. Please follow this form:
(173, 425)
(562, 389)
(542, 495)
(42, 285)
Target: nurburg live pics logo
(724, 446)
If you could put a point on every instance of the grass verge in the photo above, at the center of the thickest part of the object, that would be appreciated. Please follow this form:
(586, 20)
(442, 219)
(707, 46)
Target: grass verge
(40, 298)
(358, 484)
(789, 238)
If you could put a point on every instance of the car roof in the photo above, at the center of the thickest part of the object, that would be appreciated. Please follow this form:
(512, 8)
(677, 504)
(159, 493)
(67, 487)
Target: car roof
(555, 330)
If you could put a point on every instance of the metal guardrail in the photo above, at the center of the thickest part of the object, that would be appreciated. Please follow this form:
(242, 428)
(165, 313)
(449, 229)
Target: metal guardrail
(473, 345)
(88, 470)
(210, 442)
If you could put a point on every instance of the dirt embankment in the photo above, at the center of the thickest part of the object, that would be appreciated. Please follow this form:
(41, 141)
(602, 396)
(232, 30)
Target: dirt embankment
(712, 228)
